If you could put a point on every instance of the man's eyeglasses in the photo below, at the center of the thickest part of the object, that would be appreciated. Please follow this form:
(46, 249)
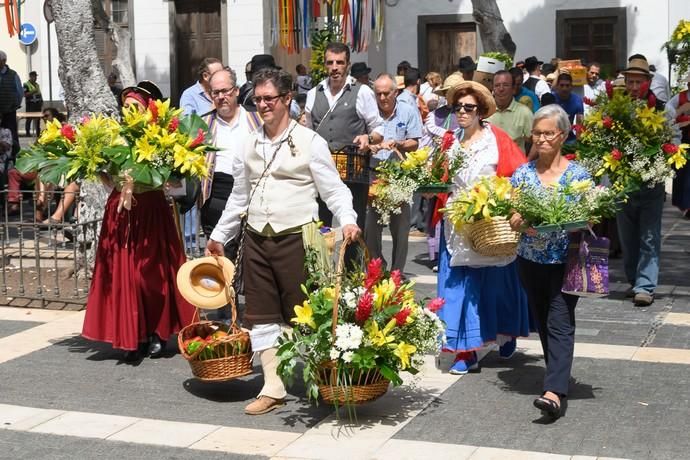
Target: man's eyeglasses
(269, 100)
(222, 91)
(469, 108)
(548, 135)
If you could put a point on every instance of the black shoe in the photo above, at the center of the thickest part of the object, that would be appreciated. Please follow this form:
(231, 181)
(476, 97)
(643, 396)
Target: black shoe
(156, 347)
(548, 406)
(131, 356)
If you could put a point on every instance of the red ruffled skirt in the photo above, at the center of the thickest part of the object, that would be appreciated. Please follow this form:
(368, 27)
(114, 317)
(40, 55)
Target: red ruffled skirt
(134, 290)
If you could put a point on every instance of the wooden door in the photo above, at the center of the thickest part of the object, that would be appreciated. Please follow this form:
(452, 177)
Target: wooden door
(198, 34)
(447, 43)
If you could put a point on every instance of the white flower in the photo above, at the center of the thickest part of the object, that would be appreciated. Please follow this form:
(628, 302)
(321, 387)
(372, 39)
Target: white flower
(348, 336)
(334, 353)
(347, 356)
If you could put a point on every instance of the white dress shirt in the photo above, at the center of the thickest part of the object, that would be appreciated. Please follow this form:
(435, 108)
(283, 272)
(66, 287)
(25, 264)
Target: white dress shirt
(366, 104)
(230, 139)
(330, 187)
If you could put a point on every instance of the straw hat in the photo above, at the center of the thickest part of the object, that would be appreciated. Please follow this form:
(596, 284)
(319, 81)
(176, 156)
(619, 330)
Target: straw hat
(480, 91)
(637, 66)
(451, 80)
(204, 282)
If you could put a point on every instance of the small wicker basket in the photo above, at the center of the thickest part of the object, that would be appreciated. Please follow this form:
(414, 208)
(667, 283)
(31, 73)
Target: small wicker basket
(348, 386)
(493, 237)
(237, 363)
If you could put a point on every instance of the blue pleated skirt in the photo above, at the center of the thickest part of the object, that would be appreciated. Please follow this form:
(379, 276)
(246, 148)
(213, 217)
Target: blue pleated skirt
(480, 303)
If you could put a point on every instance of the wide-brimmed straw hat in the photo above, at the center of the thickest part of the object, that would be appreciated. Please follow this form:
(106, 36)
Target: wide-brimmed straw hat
(205, 282)
(451, 80)
(637, 66)
(480, 91)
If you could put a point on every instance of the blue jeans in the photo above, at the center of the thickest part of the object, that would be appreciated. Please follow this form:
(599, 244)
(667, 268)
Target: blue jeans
(639, 228)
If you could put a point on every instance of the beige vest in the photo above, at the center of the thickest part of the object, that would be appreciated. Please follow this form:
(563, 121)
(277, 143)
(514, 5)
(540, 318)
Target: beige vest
(286, 197)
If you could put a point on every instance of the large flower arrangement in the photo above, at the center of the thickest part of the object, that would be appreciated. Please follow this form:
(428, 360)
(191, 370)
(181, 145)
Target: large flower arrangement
(627, 141)
(574, 205)
(489, 197)
(426, 169)
(678, 51)
(380, 327)
(146, 148)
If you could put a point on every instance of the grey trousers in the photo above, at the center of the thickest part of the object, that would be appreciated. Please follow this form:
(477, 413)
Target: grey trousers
(400, 230)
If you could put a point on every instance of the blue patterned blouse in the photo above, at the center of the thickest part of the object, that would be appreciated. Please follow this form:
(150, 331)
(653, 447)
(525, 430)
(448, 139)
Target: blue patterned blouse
(545, 248)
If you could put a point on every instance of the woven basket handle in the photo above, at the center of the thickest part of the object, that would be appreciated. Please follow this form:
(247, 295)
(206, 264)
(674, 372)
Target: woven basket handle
(340, 272)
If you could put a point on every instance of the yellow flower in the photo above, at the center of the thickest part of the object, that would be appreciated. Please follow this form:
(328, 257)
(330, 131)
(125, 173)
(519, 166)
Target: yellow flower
(132, 117)
(329, 293)
(305, 315)
(581, 186)
(415, 159)
(380, 337)
(383, 292)
(144, 150)
(166, 140)
(650, 118)
(677, 160)
(503, 188)
(610, 163)
(479, 194)
(403, 351)
(51, 133)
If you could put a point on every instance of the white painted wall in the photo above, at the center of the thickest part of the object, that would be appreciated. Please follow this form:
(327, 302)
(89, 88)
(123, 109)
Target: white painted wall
(151, 28)
(248, 21)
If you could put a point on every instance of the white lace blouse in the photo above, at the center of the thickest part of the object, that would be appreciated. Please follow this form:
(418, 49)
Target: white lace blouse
(481, 159)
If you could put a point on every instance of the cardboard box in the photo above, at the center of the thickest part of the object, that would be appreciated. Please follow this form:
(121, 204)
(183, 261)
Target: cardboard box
(576, 70)
(485, 78)
(490, 65)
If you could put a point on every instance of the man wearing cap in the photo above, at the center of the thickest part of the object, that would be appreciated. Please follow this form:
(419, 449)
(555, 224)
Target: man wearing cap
(344, 112)
(402, 128)
(258, 62)
(511, 116)
(34, 102)
(282, 169)
(11, 94)
(466, 67)
(197, 98)
(534, 82)
(639, 220)
(360, 72)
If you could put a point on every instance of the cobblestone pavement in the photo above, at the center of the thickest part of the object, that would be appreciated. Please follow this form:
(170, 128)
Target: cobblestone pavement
(63, 397)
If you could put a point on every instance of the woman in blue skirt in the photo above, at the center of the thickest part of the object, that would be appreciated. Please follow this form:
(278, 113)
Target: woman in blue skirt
(484, 298)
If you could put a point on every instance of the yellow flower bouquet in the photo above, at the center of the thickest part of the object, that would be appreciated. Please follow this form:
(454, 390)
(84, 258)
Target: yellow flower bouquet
(380, 330)
(148, 148)
(678, 52)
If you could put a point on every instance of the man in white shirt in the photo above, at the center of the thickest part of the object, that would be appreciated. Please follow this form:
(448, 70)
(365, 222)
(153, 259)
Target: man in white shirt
(282, 169)
(197, 98)
(659, 85)
(344, 112)
(534, 82)
(594, 85)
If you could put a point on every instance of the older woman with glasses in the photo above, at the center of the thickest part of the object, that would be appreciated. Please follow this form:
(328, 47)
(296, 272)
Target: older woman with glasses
(542, 257)
(484, 300)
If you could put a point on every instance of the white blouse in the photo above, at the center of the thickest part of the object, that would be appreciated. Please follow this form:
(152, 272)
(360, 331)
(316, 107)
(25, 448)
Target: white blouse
(481, 160)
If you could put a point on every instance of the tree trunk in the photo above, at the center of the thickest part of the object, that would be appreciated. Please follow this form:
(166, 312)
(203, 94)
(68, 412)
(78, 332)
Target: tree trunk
(86, 91)
(81, 74)
(121, 38)
(492, 31)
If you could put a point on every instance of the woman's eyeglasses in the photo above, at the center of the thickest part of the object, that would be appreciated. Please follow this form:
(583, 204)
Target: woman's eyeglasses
(548, 135)
(468, 108)
(269, 100)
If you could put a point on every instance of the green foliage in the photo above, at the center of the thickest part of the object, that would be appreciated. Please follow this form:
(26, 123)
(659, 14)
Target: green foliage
(319, 40)
(503, 57)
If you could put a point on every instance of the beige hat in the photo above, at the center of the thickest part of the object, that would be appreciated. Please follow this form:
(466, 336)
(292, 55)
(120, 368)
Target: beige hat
(637, 66)
(481, 91)
(400, 81)
(205, 282)
(451, 80)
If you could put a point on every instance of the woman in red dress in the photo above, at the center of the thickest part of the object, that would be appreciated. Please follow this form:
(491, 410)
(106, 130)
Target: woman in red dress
(133, 302)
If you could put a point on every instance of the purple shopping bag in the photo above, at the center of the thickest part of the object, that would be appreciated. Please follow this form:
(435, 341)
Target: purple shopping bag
(587, 267)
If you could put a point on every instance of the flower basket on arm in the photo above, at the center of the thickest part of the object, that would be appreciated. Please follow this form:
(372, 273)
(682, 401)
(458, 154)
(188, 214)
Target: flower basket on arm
(482, 212)
(356, 332)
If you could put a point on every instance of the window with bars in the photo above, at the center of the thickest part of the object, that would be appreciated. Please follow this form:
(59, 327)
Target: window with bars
(593, 35)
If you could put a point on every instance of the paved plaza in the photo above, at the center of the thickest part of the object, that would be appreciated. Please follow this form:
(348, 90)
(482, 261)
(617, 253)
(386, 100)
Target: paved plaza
(62, 397)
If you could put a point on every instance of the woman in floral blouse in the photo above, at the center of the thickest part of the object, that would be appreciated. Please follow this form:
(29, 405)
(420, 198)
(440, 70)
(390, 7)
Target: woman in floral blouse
(542, 256)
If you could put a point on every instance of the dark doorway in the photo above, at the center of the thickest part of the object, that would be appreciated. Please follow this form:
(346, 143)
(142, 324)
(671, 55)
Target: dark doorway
(197, 34)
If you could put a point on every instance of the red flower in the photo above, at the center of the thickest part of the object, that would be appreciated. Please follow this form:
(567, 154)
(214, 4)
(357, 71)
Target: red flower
(669, 149)
(570, 156)
(174, 123)
(374, 272)
(154, 110)
(609, 88)
(447, 140)
(198, 139)
(588, 101)
(364, 306)
(445, 176)
(401, 316)
(578, 128)
(435, 304)
(607, 122)
(396, 277)
(68, 132)
(616, 154)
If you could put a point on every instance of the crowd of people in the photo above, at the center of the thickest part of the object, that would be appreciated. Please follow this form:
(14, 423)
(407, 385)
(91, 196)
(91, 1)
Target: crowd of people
(274, 137)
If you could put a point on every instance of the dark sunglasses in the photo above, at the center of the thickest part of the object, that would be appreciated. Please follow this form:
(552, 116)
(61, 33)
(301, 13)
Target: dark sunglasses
(469, 108)
(269, 100)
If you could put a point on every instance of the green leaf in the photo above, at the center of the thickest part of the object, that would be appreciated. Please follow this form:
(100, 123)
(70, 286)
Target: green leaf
(190, 125)
(390, 374)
